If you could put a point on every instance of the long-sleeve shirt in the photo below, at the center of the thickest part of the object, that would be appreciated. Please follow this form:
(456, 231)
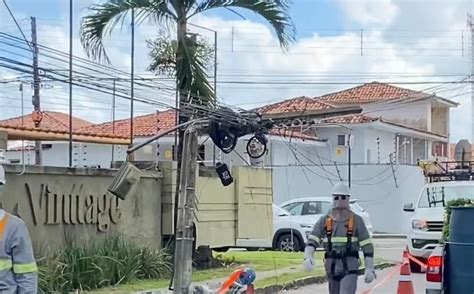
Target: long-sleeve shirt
(360, 237)
(18, 270)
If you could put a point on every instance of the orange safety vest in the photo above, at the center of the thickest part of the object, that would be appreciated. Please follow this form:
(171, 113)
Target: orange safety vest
(3, 225)
(329, 226)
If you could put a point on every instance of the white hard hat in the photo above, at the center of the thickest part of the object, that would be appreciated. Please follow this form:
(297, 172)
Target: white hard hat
(3, 160)
(341, 189)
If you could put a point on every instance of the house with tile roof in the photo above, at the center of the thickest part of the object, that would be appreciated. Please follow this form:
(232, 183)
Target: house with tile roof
(111, 140)
(387, 122)
(53, 133)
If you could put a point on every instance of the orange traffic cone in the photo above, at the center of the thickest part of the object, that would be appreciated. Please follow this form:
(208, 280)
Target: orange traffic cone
(405, 256)
(405, 285)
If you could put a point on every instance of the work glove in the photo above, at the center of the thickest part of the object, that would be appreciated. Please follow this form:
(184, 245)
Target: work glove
(369, 274)
(308, 262)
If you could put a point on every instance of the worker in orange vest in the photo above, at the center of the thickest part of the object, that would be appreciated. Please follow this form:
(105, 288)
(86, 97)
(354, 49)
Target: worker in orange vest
(342, 233)
(18, 270)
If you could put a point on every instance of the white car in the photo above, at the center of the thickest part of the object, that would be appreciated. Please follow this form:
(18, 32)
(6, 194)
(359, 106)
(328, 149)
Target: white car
(290, 233)
(309, 210)
(428, 218)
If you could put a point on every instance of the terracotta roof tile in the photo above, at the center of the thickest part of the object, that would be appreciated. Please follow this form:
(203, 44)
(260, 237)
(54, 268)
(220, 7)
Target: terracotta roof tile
(143, 126)
(52, 121)
(299, 104)
(371, 92)
(350, 119)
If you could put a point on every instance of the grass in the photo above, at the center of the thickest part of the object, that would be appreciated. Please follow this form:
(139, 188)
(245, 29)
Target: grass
(260, 261)
(103, 263)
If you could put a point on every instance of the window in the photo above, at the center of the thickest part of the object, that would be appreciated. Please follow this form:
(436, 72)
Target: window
(46, 146)
(341, 140)
(440, 196)
(294, 208)
(326, 207)
(312, 208)
(202, 152)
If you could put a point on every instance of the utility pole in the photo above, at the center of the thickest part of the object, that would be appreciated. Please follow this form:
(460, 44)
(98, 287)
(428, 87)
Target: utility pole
(470, 24)
(350, 145)
(215, 89)
(36, 89)
(70, 81)
(113, 120)
(184, 230)
(132, 74)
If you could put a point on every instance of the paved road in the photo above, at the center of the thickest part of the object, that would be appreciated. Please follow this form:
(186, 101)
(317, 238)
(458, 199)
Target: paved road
(387, 279)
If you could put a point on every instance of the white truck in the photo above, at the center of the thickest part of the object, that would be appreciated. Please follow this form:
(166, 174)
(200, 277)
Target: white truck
(428, 218)
(452, 180)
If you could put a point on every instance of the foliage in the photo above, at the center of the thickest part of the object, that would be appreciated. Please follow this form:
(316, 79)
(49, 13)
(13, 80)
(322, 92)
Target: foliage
(163, 53)
(447, 214)
(190, 67)
(108, 262)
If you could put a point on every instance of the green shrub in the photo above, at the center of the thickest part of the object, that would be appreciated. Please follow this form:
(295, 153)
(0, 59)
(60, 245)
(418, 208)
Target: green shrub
(108, 262)
(447, 213)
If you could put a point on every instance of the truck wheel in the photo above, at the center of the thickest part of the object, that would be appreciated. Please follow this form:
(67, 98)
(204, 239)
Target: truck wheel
(415, 267)
(288, 243)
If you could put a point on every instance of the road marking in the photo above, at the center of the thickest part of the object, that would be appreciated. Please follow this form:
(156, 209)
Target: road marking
(383, 282)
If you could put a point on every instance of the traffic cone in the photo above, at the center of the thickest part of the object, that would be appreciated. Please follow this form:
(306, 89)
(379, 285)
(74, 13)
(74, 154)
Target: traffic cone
(405, 285)
(405, 256)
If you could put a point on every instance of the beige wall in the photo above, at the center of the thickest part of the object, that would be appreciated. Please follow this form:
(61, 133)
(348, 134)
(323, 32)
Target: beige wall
(62, 203)
(439, 121)
(242, 210)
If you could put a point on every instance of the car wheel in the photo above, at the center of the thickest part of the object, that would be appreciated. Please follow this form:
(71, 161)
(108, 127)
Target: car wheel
(415, 267)
(289, 243)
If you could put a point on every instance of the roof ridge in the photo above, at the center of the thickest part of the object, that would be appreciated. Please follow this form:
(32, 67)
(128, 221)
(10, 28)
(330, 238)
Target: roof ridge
(349, 89)
(46, 113)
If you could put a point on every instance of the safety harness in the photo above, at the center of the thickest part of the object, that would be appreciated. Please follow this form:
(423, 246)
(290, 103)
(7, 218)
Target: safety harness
(335, 255)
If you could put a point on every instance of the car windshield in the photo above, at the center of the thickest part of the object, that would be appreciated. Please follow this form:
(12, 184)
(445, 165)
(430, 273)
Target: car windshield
(439, 196)
(357, 207)
(279, 211)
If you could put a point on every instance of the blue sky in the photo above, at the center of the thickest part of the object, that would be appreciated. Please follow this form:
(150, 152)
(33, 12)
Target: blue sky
(403, 40)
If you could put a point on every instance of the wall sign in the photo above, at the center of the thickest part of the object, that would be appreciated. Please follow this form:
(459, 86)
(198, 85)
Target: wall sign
(52, 206)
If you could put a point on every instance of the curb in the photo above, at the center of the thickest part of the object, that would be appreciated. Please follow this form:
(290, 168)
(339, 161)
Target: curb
(309, 281)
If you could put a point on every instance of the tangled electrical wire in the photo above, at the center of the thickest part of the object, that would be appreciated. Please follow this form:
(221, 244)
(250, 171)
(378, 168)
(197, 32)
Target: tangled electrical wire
(225, 133)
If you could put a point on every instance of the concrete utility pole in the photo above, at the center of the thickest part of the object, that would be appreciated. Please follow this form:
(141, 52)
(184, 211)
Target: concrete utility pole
(184, 230)
(36, 86)
(470, 24)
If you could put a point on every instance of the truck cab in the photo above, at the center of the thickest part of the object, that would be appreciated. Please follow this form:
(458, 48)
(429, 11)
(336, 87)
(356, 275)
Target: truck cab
(428, 218)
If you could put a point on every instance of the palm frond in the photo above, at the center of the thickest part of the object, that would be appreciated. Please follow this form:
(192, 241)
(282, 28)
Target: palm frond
(105, 17)
(191, 74)
(273, 11)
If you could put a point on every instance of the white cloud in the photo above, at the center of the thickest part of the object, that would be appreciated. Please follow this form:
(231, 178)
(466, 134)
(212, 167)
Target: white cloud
(369, 12)
(394, 32)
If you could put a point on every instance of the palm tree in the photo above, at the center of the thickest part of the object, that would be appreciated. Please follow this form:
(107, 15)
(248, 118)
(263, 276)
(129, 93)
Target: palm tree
(190, 72)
